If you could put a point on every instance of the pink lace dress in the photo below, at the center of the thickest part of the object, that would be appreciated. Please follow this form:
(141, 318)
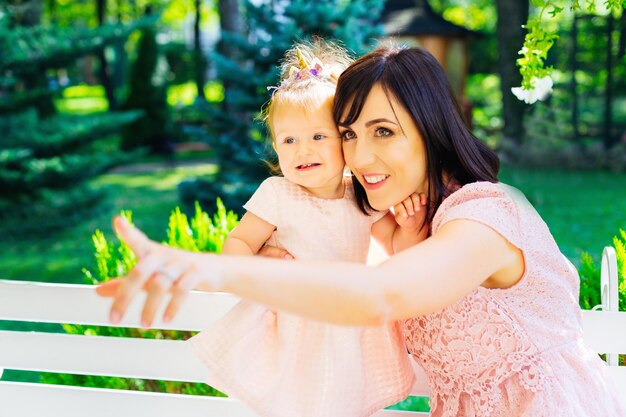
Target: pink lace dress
(281, 365)
(517, 351)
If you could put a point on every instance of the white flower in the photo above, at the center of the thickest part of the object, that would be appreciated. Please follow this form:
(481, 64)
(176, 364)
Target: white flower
(541, 90)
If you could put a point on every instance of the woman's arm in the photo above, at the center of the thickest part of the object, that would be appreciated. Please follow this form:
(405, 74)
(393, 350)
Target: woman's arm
(420, 280)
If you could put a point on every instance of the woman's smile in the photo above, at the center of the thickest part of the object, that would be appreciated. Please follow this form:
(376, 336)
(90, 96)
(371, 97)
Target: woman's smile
(385, 150)
(374, 181)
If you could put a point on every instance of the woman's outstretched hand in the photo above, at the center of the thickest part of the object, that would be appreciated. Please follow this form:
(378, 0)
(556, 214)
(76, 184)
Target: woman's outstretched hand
(159, 270)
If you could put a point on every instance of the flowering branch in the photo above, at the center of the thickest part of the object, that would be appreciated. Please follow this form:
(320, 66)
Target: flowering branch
(536, 81)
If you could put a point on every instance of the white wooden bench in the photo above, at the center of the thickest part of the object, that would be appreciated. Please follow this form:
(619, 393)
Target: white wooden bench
(154, 359)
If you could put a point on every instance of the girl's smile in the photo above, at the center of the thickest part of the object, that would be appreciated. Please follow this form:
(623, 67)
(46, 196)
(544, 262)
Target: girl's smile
(309, 148)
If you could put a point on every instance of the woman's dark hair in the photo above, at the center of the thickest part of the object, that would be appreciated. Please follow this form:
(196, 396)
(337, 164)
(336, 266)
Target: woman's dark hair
(417, 81)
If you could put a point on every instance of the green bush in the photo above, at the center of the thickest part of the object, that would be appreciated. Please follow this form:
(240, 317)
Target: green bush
(590, 275)
(201, 234)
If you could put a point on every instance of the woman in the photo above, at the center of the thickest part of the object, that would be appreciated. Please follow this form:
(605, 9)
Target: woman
(488, 302)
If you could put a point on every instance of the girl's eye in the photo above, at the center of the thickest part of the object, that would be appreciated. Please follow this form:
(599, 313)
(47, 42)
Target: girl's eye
(383, 132)
(318, 137)
(289, 140)
(348, 134)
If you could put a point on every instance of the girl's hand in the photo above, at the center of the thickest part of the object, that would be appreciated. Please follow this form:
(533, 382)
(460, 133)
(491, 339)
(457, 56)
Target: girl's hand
(274, 252)
(409, 214)
(159, 270)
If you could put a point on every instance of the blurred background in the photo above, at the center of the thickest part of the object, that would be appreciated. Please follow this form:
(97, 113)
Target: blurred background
(110, 105)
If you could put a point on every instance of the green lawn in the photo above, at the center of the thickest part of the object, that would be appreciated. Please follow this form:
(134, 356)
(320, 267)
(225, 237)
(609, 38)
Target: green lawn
(584, 210)
(61, 256)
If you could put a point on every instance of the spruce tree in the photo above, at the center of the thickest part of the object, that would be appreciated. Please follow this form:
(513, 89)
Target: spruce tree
(239, 139)
(46, 158)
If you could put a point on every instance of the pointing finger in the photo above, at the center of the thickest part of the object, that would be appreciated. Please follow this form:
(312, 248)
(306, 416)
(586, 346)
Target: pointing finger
(133, 237)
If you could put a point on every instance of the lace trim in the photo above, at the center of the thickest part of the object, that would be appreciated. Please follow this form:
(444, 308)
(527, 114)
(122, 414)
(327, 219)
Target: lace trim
(470, 349)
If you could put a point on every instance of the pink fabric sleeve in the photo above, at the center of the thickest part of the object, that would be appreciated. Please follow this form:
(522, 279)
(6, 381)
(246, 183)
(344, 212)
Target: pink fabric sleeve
(264, 203)
(490, 204)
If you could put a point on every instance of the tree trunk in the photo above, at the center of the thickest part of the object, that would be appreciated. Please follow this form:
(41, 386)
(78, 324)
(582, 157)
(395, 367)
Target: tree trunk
(52, 9)
(608, 96)
(511, 16)
(105, 71)
(621, 50)
(29, 14)
(230, 21)
(197, 50)
(574, 83)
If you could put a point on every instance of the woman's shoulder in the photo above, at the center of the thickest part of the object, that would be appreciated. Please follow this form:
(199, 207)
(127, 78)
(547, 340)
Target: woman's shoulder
(484, 191)
(485, 200)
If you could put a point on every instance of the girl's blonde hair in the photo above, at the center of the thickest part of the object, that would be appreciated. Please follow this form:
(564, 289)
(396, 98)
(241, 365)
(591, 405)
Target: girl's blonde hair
(308, 76)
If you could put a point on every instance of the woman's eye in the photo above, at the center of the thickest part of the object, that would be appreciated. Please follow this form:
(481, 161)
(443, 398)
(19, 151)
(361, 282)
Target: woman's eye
(347, 135)
(318, 137)
(289, 140)
(383, 132)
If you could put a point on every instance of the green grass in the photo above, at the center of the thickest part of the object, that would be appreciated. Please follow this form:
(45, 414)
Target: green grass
(85, 99)
(61, 256)
(82, 99)
(583, 210)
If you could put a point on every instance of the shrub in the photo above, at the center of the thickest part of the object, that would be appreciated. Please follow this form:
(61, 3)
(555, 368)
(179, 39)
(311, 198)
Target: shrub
(590, 275)
(202, 234)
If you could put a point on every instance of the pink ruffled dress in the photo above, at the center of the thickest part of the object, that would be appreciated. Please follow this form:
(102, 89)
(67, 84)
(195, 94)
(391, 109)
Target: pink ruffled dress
(282, 365)
(515, 352)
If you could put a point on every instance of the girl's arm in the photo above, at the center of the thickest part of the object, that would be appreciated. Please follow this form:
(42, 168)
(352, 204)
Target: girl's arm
(422, 279)
(248, 236)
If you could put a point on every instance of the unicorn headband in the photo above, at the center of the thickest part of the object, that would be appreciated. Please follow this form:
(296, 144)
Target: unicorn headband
(302, 72)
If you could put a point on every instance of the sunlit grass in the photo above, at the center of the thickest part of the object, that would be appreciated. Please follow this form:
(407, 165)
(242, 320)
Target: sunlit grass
(185, 94)
(583, 210)
(85, 99)
(60, 256)
(82, 99)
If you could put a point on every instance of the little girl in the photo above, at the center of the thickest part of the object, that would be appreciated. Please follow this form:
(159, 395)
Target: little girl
(279, 364)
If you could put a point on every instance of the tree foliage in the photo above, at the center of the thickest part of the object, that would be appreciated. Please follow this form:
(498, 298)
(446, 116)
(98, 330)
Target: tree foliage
(540, 38)
(271, 28)
(47, 158)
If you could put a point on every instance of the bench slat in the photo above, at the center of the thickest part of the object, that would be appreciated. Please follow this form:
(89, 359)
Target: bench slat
(62, 401)
(79, 304)
(171, 360)
(57, 401)
(604, 331)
